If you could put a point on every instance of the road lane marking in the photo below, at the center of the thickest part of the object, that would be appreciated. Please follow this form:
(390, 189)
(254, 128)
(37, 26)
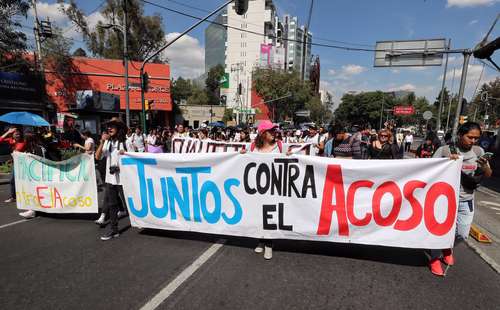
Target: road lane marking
(491, 203)
(496, 209)
(13, 223)
(183, 276)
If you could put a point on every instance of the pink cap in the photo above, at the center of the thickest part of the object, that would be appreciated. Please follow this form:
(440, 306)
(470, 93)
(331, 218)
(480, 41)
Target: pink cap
(265, 125)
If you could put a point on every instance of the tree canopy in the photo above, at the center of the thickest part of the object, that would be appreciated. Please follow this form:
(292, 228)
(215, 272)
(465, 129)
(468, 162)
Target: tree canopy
(145, 33)
(12, 41)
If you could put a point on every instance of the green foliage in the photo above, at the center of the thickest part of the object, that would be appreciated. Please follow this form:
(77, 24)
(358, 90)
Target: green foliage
(320, 113)
(212, 83)
(145, 33)
(80, 52)
(181, 89)
(490, 107)
(199, 97)
(228, 115)
(56, 53)
(271, 84)
(12, 40)
(6, 167)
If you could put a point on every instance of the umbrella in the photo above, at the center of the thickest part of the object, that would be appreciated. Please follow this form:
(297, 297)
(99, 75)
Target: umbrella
(216, 124)
(24, 118)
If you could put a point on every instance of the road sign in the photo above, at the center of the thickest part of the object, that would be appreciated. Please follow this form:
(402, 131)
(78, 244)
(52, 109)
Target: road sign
(224, 81)
(404, 110)
(409, 53)
(427, 115)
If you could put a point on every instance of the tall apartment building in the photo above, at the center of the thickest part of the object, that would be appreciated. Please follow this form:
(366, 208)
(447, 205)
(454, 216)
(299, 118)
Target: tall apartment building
(241, 52)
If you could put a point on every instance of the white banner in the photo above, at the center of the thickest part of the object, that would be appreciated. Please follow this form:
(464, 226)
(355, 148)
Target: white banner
(190, 145)
(67, 186)
(404, 203)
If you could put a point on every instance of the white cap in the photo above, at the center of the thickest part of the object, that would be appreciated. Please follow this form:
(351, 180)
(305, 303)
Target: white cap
(203, 125)
(297, 132)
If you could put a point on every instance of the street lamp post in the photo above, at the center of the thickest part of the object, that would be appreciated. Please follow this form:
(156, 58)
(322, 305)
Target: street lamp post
(123, 30)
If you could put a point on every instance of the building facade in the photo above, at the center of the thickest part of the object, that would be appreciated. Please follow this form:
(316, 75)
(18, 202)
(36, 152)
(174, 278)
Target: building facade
(215, 42)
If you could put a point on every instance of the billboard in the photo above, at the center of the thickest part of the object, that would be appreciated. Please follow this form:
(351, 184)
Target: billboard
(409, 53)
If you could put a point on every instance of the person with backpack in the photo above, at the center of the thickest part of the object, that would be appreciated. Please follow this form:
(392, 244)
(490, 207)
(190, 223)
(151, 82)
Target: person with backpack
(475, 167)
(265, 142)
(383, 148)
(111, 146)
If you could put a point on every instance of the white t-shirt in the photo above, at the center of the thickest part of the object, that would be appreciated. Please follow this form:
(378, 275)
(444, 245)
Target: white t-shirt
(317, 139)
(110, 150)
(138, 141)
(151, 139)
(409, 139)
(252, 136)
(129, 142)
(90, 144)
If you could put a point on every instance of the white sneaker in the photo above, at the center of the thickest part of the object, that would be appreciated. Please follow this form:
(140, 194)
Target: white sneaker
(101, 220)
(268, 252)
(122, 214)
(28, 214)
(260, 248)
(10, 200)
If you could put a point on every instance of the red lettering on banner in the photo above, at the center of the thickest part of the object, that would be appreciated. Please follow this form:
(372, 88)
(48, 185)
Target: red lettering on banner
(57, 197)
(40, 197)
(344, 209)
(386, 188)
(333, 182)
(417, 212)
(436, 190)
(350, 203)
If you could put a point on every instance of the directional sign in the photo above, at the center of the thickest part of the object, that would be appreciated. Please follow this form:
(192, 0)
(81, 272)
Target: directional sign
(224, 81)
(427, 115)
(304, 113)
(404, 110)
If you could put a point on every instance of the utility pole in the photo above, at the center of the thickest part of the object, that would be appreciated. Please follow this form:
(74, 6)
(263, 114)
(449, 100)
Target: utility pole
(451, 100)
(125, 60)
(467, 54)
(441, 99)
(240, 7)
(37, 39)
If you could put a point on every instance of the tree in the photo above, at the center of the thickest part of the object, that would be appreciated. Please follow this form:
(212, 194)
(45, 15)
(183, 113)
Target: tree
(12, 41)
(446, 101)
(272, 84)
(80, 52)
(364, 107)
(212, 83)
(480, 107)
(145, 33)
(181, 89)
(320, 113)
(199, 97)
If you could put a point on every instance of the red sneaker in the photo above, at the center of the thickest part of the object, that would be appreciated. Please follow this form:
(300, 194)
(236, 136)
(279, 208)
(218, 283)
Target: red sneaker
(448, 257)
(435, 266)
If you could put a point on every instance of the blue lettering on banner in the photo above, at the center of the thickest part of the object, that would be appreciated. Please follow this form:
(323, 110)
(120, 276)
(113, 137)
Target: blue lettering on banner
(174, 196)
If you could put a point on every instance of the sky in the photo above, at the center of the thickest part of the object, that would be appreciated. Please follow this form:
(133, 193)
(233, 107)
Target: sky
(351, 23)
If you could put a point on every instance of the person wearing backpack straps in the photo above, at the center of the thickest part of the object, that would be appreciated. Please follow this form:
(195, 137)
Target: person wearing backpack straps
(474, 168)
(111, 146)
(265, 142)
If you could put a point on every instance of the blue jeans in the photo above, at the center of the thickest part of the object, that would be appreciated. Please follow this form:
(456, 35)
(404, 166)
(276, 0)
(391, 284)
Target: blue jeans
(465, 215)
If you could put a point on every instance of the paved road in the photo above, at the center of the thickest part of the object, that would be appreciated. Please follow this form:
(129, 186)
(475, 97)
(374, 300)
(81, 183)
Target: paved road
(57, 262)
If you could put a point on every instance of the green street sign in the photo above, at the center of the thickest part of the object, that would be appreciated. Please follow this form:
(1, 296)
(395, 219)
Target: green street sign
(224, 81)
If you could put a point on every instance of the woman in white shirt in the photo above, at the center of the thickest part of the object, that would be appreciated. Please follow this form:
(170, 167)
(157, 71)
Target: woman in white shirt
(89, 145)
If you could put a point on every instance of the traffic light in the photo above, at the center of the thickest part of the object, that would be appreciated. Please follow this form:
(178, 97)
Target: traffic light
(485, 51)
(223, 100)
(145, 82)
(241, 6)
(146, 105)
(463, 119)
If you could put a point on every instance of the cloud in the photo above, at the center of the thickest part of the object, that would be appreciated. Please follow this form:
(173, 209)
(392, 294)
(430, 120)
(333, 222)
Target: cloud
(472, 22)
(186, 56)
(352, 69)
(407, 87)
(331, 72)
(51, 11)
(469, 3)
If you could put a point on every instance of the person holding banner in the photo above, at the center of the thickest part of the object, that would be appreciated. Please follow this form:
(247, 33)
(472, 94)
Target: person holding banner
(112, 145)
(265, 142)
(14, 137)
(475, 168)
(89, 145)
(317, 140)
(383, 148)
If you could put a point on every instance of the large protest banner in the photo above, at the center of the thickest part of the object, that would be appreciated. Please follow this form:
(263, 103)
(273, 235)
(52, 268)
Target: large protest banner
(190, 145)
(67, 186)
(403, 203)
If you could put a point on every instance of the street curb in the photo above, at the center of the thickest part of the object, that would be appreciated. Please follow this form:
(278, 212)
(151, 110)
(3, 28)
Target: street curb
(483, 255)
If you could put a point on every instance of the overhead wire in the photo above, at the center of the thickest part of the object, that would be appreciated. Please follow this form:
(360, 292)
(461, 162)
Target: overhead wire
(341, 47)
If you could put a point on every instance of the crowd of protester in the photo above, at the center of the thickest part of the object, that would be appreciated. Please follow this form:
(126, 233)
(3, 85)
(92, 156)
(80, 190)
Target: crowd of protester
(334, 141)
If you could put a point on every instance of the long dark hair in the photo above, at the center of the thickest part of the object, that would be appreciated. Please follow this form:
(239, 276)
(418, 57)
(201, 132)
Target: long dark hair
(466, 127)
(31, 143)
(259, 140)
